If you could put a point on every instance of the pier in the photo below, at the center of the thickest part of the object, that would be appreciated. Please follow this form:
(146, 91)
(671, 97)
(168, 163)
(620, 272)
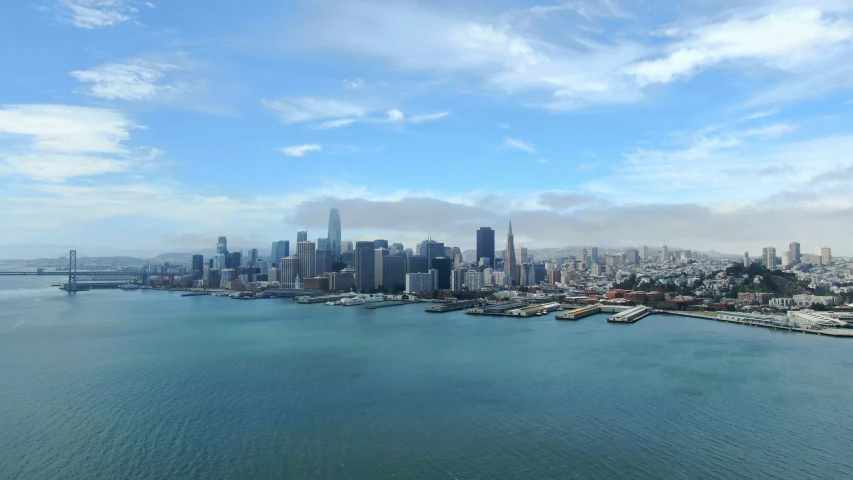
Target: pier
(395, 303)
(579, 313)
(452, 307)
(630, 315)
(769, 322)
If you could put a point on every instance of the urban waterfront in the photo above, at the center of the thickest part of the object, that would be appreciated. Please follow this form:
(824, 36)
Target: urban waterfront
(148, 385)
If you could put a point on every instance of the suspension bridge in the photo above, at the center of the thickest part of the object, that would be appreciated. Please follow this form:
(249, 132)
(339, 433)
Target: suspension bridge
(83, 280)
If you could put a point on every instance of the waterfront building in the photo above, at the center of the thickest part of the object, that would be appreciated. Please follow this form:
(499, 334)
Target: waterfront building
(417, 264)
(485, 244)
(394, 272)
(316, 283)
(377, 259)
(325, 262)
(334, 233)
(510, 265)
(280, 249)
(222, 246)
(365, 265)
(302, 236)
(769, 254)
(421, 282)
(289, 271)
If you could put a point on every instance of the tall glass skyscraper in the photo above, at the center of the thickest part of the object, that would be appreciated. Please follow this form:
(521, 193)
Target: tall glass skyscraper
(280, 249)
(334, 235)
(486, 245)
(222, 246)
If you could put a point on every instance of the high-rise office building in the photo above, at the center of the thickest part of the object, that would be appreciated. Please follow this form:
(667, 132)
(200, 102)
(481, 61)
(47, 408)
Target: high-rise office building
(234, 259)
(222, 246)
(378, 281)
(769, 258)
(794, 255)
(417, 264)
(443, 267)
(252, 261)
(334, 234)
(510, 265)
(365, 265)
(645, 250)
(324, 244)
(302, 236)
(289, 271)
(306, 253)
(219, 262)
(397, 249)
(325, 262)
(280, 249)
(380, 243)
(346, 246)
(421, 282)
(474, 280)
(198, 266)
(457, 260)
(746, 259)
(394, 272)
(457, 279)
(632, 257)
(664, 254)
(593, 255)
(431, 250)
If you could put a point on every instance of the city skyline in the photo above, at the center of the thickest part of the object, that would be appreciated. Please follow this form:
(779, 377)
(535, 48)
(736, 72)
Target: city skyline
(127, 127)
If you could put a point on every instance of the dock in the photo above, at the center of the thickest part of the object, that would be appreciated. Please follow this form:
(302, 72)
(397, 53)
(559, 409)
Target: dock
(630, 315)
(579, 313)
(753, 321)
(452, 307)
(496, 309)
(394, 303)
(195, 294)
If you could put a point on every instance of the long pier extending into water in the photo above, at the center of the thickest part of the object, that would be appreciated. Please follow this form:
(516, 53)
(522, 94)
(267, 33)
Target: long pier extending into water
(832, 332)
(453, 306)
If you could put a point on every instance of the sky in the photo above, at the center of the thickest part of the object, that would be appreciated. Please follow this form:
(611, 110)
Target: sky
(151, 127)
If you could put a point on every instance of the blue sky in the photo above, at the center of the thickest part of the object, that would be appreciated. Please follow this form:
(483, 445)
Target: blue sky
(157, 126)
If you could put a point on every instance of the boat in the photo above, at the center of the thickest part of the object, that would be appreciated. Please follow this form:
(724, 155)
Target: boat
(332, 303)
(348, 302)
(129, 286)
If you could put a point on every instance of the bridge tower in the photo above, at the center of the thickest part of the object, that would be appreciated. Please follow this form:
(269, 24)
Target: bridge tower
(72, 271)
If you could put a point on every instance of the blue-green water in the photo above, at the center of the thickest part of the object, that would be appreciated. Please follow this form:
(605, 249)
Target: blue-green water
(150, 385)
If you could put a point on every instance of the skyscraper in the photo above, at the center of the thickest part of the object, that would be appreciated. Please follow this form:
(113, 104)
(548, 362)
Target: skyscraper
(222, 246)
(365, 265)
(334, 234)
(645, 250)
(252, 261)
(198, 266)
(289, 271)
(664, 254)
(593, 254)
(746, 259)
(305, 251)
(794, 253)
(769, 258)
(825, 255)
(324, 261)
(380, 243)
(280, 249)
(377, 267)
(302, 236)
(510, 265)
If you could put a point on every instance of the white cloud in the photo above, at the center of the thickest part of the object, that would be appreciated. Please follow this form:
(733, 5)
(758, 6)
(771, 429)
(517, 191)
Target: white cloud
(771, 131)
(344, 122)
(134, 79)
(519, 144)
(300, 150)
(57, 168)
(394, 115)
(353, 84)
(63, 128)
(96, 13)
(759, 114)
(428, 117)
(150, 5)
(302, 109)
(781, 39)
